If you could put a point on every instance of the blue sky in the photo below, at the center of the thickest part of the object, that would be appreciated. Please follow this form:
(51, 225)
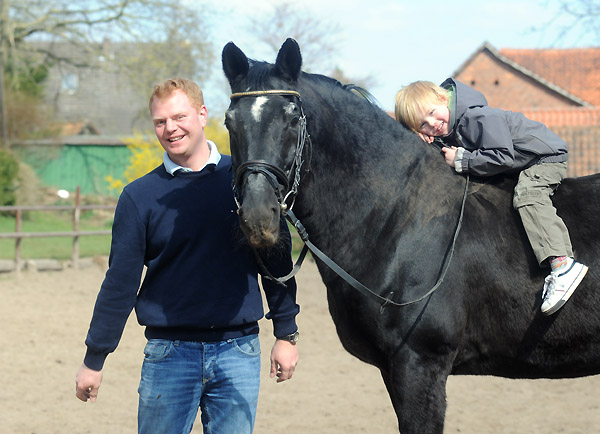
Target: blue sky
(397, 42)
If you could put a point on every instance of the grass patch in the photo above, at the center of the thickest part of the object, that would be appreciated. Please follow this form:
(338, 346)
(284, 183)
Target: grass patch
(56, 247)
(61, 248)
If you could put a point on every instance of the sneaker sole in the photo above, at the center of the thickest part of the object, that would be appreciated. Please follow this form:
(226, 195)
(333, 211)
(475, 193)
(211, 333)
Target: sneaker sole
(569, 292)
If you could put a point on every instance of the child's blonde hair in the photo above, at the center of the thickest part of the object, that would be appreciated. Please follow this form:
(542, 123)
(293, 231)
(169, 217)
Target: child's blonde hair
(414, 99)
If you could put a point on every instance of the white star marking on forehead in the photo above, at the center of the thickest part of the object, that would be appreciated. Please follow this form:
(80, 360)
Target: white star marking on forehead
(257, 107)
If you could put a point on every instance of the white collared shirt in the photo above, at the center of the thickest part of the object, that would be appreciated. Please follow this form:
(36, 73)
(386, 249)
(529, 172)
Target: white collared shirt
(213, 158)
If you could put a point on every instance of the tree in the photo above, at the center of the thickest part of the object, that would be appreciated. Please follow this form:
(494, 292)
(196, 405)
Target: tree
(9, 169)
(34, 32)
(30, 117)
(578, 17)
(318, 39)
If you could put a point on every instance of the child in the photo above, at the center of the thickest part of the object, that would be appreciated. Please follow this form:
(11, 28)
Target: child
(486, 141)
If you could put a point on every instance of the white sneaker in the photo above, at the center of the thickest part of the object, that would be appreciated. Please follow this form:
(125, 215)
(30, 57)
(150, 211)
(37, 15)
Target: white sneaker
(558, 287)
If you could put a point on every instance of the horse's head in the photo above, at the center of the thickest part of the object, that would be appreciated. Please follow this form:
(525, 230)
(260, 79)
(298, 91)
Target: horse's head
(267, 130)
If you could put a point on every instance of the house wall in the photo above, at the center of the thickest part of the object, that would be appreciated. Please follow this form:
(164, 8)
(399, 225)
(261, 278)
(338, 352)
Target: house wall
(506, 88)
(584, 148)
(102, 98)
(580, 128)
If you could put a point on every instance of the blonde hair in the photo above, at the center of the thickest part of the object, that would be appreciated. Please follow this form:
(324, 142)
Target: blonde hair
(168, 87)
(414, 99)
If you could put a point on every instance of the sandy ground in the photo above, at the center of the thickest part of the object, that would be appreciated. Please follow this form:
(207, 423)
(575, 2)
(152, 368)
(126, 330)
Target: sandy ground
(44, 318)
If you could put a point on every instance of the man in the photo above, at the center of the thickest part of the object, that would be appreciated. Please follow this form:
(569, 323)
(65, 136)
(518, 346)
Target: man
(199, 300)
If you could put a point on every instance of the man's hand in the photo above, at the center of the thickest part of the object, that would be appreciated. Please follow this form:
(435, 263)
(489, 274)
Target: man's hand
(87, 383)
(284, 358)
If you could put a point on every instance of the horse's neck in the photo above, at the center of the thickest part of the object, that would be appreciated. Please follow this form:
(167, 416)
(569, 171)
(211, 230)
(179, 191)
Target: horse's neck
(370, 217)
(361, 160)
(351, 183)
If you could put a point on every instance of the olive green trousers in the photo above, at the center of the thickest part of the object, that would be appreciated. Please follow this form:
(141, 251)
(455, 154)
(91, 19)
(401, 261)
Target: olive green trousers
(547, 233)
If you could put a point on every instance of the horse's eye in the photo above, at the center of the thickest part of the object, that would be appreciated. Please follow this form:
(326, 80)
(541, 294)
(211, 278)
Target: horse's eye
(295, 121)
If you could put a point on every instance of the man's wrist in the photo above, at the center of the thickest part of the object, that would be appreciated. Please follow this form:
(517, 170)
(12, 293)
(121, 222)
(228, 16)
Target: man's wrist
(291, 338)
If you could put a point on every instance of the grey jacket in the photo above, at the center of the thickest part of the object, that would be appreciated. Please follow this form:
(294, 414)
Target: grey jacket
(494, 140)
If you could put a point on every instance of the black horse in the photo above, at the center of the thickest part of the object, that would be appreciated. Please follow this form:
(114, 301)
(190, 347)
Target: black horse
(385, 207)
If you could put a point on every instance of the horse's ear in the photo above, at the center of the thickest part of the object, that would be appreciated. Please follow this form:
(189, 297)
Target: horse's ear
(235, 63)
(289, 60)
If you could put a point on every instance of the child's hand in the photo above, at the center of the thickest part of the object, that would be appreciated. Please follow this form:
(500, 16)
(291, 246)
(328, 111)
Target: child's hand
(425, 137)
(449, 155)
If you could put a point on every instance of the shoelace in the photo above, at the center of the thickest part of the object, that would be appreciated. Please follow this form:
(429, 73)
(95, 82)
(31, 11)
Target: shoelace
(549, 286)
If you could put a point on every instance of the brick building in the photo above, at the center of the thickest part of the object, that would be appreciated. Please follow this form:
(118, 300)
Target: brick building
(559, 87)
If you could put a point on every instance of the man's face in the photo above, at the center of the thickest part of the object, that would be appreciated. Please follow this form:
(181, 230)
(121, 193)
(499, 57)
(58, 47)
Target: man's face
(179, 127)
(434, 121)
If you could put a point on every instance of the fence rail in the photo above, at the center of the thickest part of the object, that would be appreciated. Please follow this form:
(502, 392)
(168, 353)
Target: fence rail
(77, 208)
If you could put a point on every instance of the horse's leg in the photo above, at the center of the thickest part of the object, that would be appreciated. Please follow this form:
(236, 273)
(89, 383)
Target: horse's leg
(418, 392)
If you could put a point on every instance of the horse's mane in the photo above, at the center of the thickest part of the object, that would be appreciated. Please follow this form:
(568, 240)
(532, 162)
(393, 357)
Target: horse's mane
(361, 91)
(261, 71)
(349, 91)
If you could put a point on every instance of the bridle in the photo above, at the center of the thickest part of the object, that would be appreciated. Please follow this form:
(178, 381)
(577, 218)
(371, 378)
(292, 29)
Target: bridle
(280, 181)
(285, 184)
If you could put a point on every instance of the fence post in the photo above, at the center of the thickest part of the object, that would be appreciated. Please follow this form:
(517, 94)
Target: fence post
(76, 216)
(18, 218)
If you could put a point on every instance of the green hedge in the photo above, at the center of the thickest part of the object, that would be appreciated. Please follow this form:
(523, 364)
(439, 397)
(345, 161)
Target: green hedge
(9, 169)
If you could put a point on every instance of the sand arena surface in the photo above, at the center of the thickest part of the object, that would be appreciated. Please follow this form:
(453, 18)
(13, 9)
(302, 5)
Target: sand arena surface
(44, 317)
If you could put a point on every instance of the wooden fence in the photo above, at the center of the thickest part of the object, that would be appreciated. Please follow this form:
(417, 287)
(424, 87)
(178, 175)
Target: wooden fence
(75, 233)
(18, 235)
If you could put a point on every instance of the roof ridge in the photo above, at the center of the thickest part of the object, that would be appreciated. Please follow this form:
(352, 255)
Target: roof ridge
(550, 49)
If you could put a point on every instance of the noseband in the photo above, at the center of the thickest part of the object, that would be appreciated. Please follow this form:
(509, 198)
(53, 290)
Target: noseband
(285, 184)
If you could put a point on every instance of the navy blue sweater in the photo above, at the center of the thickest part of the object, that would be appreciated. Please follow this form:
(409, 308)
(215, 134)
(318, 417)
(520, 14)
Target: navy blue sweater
(201, 280)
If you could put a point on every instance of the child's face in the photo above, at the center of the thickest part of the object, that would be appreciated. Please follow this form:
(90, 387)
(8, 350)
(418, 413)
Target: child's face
(434, 121)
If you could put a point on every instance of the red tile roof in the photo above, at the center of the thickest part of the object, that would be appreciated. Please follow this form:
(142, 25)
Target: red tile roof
(577, 70)
(573, 116)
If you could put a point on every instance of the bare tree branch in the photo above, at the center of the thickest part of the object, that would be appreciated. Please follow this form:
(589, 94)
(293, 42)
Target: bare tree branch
(319, 39)
(578, 18)
(156, 38)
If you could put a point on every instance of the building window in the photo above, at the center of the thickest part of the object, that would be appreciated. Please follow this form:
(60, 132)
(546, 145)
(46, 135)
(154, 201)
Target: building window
(69, 83)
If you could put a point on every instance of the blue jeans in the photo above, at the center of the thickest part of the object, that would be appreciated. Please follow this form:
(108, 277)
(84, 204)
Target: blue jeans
(220, 378)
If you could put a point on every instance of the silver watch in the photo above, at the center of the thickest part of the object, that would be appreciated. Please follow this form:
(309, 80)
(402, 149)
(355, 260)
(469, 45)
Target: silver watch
(293, 338)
